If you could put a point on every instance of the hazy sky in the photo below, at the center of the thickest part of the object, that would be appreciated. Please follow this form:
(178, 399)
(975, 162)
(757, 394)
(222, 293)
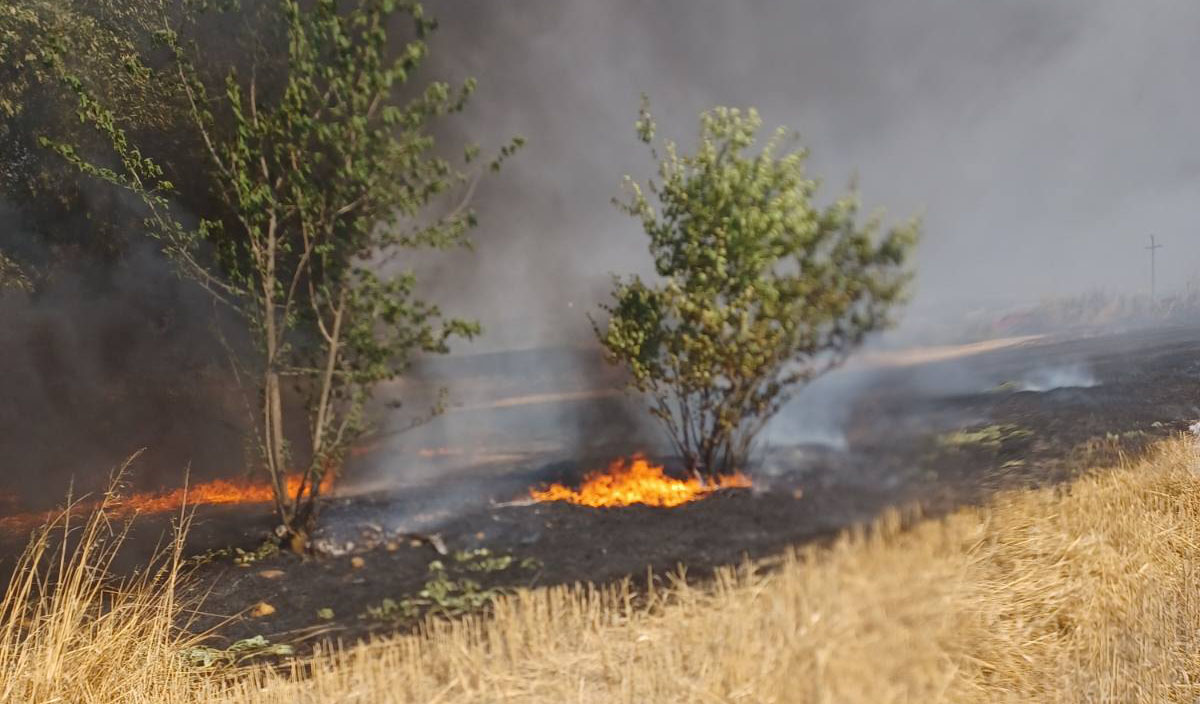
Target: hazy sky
(1043, 140)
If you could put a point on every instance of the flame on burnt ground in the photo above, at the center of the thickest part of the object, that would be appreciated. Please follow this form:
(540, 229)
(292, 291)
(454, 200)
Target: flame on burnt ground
(218, 491)
(637, 481)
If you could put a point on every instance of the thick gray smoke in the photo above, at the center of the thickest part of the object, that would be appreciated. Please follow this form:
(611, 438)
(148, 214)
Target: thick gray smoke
(1043, 140)
(108, 361)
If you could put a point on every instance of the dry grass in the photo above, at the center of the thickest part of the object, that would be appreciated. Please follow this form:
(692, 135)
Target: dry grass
(69, 635)
(1081, 594)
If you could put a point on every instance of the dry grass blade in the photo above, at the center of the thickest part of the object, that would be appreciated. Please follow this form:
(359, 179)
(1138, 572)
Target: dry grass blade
(71, 633)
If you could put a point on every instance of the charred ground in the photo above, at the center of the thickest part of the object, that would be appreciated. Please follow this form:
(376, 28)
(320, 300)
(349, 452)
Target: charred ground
(926, 437)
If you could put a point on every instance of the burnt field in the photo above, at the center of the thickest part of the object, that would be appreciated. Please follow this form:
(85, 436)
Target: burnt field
(440, 521)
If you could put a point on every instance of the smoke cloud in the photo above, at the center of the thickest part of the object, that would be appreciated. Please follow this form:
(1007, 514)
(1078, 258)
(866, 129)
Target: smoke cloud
(105, 361)
(1042, 140)
(1039, 155)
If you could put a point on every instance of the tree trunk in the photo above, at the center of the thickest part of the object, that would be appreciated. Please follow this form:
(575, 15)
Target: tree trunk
(304, 504)
(276, 451)
(276, 455)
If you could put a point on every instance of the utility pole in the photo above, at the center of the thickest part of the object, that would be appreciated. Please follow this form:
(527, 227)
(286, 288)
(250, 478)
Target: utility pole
(1154, 247)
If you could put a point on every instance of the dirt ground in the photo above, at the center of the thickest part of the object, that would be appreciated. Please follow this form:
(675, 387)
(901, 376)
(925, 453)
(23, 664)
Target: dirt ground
(925, 437)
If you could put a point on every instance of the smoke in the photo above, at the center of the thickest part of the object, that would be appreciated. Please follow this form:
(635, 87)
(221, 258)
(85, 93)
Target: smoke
(1040, 157)
(1040, 154)
(819, 413)
(1072, 376)
(506, 411)
(105, 361)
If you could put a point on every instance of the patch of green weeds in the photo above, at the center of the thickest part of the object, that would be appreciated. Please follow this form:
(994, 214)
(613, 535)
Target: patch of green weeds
(445, 594)
(237, 555)
(482, 560)
(390, 610)
(990, 437)
(262, 552)
(208, 556)
(1126, 435)
(238, 652)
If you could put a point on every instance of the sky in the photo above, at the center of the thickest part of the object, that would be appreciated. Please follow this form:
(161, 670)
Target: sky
(1042, 141)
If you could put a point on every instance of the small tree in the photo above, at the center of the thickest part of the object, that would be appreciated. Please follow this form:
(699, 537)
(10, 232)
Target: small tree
(760, 289)
(321, 182)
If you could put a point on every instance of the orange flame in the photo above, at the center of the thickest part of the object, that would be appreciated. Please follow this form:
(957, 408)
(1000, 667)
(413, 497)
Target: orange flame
(636, 482)
(218, 491)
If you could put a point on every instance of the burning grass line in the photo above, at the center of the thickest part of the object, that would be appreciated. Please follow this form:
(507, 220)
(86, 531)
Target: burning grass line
(637, 481)
(216, 492)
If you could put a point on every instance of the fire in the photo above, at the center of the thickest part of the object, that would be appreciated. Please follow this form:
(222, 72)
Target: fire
(636, 481)
(219, 491)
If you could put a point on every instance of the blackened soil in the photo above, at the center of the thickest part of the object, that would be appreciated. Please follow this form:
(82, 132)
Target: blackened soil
(933, 436)
(549, 543)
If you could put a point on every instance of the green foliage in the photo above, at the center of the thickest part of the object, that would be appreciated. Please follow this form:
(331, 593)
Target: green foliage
(237, 556)
(36, 35)
(319, 185)
(100, 42)
(991, 437)
(390, 610)
(237, 653)
(445, 594)
(441, 595)
(759, 289)
(482, 560)
(262, 552)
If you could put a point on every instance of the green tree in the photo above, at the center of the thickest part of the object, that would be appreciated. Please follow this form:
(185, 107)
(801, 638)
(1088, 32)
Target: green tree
(100, 41)
(321, 181)
(759, 289)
